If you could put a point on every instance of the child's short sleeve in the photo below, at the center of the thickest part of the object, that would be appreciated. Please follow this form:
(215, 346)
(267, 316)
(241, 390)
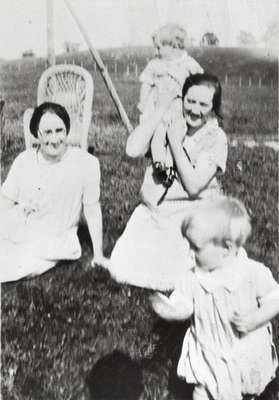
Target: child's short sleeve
(182, 298)
(265, 285)
(151, 72)
(92, 178)
(147, 75)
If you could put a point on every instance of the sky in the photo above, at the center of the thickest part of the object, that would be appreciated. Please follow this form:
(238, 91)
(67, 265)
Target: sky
(116, 23)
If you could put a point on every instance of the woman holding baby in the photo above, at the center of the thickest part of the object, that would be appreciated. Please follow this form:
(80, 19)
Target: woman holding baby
(151, 251)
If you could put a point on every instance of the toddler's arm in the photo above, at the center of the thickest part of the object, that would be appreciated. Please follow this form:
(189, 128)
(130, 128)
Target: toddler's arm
(258, 317)
(176, 307)
(144, 93)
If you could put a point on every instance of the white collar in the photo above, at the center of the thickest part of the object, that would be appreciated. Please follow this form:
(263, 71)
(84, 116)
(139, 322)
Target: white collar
(229, 278)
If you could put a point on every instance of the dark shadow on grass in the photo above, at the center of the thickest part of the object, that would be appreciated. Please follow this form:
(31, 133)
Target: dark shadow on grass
(83, 233)
(167, 352)
(115, 376)
(272, 389)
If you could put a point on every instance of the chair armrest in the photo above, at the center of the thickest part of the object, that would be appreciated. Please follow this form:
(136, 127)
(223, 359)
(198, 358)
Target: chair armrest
(28, 137)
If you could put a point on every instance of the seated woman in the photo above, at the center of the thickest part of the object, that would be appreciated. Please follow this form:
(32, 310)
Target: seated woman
(42, 197)
(151, 252)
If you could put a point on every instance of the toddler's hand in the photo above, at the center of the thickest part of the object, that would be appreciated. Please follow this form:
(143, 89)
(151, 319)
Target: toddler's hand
(159, 303)
(244, 323)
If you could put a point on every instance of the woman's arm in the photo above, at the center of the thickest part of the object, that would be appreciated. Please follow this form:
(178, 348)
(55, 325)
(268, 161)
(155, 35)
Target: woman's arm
(138, 142)
(194, 180)
(5, 204)
(93, 216)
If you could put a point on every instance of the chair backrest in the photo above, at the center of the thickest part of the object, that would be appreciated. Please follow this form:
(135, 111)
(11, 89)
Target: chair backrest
(71, 86)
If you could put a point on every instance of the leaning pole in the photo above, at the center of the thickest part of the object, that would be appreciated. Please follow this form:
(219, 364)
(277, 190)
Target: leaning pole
(2, 103)
(103, 70)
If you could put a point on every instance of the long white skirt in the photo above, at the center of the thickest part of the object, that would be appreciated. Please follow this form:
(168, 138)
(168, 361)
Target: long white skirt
(27, 251)
(151, 252)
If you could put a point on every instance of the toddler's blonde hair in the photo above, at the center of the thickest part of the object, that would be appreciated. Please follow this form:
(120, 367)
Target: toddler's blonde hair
(172, 35)
(225, 219)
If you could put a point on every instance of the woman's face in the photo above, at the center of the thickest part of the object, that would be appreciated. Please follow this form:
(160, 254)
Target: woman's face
(198, 105)
(52, 135)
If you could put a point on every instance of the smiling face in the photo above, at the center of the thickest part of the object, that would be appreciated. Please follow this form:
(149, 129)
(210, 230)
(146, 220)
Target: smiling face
(52, 136)
(198, 103)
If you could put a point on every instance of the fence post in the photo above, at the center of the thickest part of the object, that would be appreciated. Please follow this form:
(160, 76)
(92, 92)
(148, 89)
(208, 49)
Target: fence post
(128, 70)
(260, 82)
(250, 81)
(115, 67)
(136, 70)
(240, 82)
(226, 79)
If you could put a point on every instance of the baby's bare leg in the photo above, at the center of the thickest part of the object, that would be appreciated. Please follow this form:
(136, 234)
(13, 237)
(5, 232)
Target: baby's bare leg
(158, 144)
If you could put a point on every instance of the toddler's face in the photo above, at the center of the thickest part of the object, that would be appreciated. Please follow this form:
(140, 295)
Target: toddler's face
(165, 51)
(208, 254)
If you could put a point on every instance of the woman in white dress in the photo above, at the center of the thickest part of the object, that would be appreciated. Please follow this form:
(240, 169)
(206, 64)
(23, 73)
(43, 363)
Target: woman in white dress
(42, 197)
(151, 251)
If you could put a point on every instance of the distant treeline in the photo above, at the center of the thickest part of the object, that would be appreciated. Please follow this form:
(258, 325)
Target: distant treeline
(233, 66)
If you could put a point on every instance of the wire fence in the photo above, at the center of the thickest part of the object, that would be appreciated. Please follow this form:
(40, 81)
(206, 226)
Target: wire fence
(131, 69)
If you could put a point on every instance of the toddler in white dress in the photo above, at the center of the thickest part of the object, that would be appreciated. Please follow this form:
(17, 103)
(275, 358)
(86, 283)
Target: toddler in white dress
(228, 351)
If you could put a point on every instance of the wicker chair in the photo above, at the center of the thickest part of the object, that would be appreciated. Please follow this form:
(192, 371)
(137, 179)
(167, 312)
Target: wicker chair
(71, 86)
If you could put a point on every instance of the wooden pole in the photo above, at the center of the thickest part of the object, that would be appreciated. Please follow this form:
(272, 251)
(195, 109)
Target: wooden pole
(50, 34)
(96, 57)
(2, 103)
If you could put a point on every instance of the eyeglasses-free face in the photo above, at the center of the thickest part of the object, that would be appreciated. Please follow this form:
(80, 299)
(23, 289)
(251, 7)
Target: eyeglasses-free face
(52, 136)
(198, 104)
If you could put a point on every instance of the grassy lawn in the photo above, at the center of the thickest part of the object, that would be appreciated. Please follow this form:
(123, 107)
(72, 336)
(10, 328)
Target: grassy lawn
(56, 326)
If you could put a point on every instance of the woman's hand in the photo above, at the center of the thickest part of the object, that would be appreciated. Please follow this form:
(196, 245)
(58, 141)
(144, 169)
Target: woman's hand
(177, 129)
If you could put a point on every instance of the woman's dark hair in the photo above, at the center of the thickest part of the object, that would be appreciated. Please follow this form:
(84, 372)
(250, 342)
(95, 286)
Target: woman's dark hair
(207, 80)
(50, 107)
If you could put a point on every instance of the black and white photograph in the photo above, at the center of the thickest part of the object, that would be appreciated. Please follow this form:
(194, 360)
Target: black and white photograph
(139, 199)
